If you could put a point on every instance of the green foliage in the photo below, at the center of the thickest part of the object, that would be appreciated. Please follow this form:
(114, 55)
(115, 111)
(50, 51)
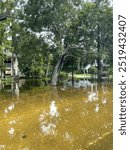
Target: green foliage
(32, 52)
(63, 76)
(7, 79)
(5, 33)
(93, 70)
(42, 31)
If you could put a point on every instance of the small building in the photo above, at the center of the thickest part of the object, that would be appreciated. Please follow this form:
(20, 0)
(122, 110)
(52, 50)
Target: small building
(10, 65)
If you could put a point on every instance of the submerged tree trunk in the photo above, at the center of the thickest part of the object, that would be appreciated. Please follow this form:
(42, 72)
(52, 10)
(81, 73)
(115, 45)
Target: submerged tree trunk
(56, 70)
(99, 70)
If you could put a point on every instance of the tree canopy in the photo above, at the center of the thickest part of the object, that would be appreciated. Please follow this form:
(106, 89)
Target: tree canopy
(46, 34)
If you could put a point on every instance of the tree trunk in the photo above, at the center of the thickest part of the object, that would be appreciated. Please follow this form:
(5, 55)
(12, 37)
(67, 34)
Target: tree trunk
(47, 70)
(12, 65)
(98, 59)
(56, 70)
(99, 70)
(72, 69)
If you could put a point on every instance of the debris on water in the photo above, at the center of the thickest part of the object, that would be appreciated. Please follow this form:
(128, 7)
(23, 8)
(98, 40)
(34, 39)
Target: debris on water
(24, 136)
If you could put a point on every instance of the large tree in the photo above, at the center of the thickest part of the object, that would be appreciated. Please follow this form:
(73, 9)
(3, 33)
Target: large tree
(54, 18)
(96, 26)
(33, 55)
(70, 28)
(103, 34)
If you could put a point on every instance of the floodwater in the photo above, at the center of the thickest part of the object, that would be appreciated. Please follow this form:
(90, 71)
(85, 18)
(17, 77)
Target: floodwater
(48, 118)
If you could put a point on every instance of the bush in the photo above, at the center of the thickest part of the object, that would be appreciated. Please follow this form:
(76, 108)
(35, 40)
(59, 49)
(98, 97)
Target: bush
(93, 70)
(63, 76)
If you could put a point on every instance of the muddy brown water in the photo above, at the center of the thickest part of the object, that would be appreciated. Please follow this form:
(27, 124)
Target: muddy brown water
(56, 118)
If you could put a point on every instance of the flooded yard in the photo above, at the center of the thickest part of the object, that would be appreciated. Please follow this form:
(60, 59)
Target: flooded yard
(56, 118)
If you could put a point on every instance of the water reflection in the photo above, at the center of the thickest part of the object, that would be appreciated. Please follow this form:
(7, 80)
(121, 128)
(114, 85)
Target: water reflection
(97, 108)
(12, 88)
(68, 137)
(11, 132)
(64, 117)
(77, 84)
(9, 108)
(53, 109)
(93, 93)
(12, 122)
(16, 90)
(2, 146)
(104, 100)
(48, 128)
(48, 120)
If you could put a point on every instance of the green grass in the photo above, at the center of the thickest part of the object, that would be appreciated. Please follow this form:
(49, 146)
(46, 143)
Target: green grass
(81, 76)
(89, 76)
